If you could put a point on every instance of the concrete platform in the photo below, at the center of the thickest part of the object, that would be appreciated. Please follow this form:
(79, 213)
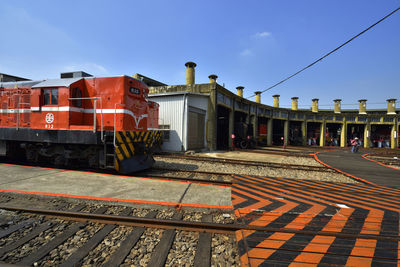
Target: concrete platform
(354, 164)
(76, 184)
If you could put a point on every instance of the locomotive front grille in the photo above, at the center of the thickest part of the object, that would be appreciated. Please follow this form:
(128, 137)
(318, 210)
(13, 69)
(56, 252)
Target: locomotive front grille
(133, 149)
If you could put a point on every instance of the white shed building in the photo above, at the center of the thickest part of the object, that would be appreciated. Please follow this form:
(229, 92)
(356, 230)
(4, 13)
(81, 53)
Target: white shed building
(183, 115)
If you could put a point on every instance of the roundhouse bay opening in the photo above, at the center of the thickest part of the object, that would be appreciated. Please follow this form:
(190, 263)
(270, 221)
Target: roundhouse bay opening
(262, 131)
(355, 130)
(241, 130)
(295, 133)
(380, 135)
(278, 129)
(333, 131)
(313, 133)
(222, 128)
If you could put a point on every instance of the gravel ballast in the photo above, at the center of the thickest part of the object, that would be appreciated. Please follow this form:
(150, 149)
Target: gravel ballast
(188, 164)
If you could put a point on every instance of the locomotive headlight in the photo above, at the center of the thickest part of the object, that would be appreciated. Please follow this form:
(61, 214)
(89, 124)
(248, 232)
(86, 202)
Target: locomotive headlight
(134, 91)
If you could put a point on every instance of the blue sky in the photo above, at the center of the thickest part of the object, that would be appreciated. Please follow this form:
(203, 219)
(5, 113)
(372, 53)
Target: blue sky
(250, 43)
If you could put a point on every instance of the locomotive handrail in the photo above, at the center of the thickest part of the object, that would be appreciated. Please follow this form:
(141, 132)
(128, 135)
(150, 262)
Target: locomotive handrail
(94, 112)
(18, 108)
(115, 119)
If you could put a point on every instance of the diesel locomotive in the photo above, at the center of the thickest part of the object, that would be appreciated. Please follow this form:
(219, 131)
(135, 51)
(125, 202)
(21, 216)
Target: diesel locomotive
(104, 122)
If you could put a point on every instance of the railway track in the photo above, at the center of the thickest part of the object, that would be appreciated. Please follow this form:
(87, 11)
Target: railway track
(48, 237)
(390, 159)
(203, 177)
(250, 163)
(43, 251)
(302, 154)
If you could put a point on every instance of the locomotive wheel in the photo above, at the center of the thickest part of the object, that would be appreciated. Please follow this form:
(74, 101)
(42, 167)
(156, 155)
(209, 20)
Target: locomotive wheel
(59, 160)
(243, 144)
(32, 155)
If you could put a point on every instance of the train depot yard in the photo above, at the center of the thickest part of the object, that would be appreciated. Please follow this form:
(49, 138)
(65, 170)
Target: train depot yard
(113, 177)
(276, 206)
(252, 141)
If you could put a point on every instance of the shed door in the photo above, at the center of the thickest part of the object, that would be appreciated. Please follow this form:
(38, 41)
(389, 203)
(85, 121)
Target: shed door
(196, 126)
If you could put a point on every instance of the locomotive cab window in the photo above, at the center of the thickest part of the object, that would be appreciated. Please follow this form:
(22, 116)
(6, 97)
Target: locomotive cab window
(50, 96)
(77, 93)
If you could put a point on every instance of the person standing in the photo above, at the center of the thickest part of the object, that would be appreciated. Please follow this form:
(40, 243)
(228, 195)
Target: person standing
(354, 145)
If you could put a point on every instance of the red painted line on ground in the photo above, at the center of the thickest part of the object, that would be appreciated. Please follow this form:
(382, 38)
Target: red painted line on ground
(175, 204)
(345, 173)
(117, 175)
(365, 156)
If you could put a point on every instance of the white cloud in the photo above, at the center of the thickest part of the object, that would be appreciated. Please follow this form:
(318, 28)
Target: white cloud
(262, 34)
(91, 68)
(23, 26)
(246, 52)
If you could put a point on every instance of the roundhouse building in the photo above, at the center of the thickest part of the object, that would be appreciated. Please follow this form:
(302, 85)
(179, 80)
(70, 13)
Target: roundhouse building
(210, 117)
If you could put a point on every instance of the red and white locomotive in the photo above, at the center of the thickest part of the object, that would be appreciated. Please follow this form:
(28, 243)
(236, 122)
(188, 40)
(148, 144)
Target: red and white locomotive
(107, 122)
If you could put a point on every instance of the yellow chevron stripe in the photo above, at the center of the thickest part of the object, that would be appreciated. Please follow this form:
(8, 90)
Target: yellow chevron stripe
(132, 135)
(136, 136)
(151, 137)
(116, 164)
(118, 136)
(146, 136)
(129, 143)
(119, 155)
(123, 146)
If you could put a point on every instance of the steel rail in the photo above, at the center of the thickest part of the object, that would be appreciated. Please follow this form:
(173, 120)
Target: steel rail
(191, 171)
(305, 154)
(186, 179)
(187, 225)
(152, 173)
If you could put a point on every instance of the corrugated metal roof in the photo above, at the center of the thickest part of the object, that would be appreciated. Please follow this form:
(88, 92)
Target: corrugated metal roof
(16, 78)
(19, 84)
(57, 82)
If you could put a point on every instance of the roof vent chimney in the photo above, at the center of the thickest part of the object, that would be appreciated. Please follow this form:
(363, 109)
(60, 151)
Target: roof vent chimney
(391, 106)
(258, 96)
(275, 103)
(337, 108)
(362, 106)
(213, 78)
(190, 72)
(314, 107)
(240, 91)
